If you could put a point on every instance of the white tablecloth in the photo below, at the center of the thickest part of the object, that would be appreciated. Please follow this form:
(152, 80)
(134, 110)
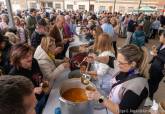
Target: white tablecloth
(53, 100)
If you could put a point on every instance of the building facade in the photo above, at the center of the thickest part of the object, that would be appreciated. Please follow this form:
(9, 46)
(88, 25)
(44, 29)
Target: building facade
(93, 5)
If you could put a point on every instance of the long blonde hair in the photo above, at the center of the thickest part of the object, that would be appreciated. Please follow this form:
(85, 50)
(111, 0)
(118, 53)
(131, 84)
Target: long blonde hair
(46, 42)
(133, 53)
(104, 43)
(98, 30)
(16, 18)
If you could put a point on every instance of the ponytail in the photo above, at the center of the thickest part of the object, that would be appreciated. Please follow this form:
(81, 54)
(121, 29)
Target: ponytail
(143, 68)
(133, 53)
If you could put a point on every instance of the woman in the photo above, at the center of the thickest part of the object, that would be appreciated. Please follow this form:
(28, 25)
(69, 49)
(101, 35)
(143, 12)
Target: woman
(96, 31)
(99, 70)
(113, 21)
(157, 66)
(45, 55)
(4, 23)
(21, 31)
(12, 36)
(138, 37)
(25, 65)
(129, 89)
(5, 47)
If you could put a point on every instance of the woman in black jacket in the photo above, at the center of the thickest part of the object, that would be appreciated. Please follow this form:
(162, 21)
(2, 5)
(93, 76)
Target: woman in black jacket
(24, 64)
(157, 66)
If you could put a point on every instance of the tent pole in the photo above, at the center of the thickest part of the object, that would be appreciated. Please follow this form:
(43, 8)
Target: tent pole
(139, 5)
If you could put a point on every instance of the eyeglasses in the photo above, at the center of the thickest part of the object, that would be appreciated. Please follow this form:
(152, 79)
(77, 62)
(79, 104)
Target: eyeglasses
(122, 63)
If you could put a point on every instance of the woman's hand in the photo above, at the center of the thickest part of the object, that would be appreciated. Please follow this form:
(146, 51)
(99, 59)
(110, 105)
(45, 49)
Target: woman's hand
(65, 41)
(93, 74)
(45, 86)
(38, 90)
(154, 51)
(93, 95)
(66, 60)
(66, 65)
(58, 50)
(71, 39)
(91, 58)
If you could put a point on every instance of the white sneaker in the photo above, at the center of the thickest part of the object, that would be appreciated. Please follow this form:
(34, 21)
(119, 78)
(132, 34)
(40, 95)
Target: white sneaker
(148, 102)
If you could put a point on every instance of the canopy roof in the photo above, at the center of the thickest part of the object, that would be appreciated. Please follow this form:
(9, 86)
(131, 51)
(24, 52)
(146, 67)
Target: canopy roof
(147, 9)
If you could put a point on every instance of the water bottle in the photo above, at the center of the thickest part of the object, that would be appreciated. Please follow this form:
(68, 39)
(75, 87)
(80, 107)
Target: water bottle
(57, 110)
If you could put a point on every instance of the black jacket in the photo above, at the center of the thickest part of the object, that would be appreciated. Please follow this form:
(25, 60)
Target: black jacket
(157, 63)
(5, 63)
(36, 39)
(34, 74)
(131, 26)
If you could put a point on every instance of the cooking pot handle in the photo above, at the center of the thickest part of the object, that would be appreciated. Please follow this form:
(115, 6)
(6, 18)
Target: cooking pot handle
(63, 100)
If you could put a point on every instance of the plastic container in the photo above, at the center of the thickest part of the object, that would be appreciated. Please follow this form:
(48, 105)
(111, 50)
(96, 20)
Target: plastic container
(57, 110)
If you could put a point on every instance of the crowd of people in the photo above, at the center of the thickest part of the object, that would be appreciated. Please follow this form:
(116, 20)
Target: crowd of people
(35, 50)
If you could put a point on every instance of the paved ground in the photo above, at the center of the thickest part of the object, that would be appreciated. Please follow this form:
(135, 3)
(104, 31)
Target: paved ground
(160, 94)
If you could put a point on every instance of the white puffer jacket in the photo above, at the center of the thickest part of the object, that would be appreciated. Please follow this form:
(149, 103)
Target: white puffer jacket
(49, 68)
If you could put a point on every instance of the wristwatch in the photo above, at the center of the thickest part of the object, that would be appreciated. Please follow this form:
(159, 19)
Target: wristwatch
(101, 99)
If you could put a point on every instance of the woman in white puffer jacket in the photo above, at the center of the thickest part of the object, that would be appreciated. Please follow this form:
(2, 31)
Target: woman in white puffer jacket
(45, 55)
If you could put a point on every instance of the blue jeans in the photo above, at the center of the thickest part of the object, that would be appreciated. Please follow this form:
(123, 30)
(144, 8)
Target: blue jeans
(42, 99)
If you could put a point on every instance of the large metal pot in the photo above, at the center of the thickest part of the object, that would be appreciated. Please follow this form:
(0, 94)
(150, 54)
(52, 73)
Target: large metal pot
(68, 107)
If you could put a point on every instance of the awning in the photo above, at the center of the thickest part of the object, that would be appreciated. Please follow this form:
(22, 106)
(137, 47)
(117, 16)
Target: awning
(147, 9)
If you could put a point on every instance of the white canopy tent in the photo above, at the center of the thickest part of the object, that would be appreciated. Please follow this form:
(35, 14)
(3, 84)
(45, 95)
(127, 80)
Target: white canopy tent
(144, 9)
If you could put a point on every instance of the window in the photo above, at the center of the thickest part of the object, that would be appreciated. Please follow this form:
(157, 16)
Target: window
(58, 6)
(102, 8)
(69, 6)
(50, 4)
(33, 5)
(130, 9)
(121, 9)
(16, 2)
(81, 7)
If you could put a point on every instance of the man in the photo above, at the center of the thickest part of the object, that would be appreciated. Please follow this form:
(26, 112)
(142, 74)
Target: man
(147, 26)
(57, 32)
(39, 32)
(31, 21)
(107, 27)
(155, 27)
(68, 27)
(5, 47)
(16, 96)
(4, 23)
(131, 28)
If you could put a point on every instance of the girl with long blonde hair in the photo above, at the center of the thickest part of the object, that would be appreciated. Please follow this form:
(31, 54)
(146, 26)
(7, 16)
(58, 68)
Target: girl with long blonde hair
(99, 70)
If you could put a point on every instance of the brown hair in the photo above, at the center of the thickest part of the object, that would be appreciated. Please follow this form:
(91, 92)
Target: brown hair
(133, 53)
(104, 42)
(13, 91)
(16, 18)
(98, 30)
(115, 21)
(18, 52)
